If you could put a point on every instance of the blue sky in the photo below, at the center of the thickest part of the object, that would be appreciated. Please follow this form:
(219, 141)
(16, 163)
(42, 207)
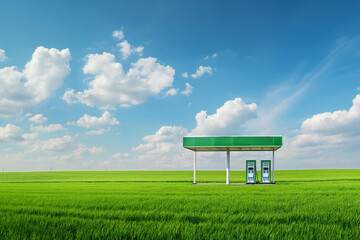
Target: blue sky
(102, 85)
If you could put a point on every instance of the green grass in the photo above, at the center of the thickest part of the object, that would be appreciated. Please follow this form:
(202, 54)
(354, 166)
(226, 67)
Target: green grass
(312, 204)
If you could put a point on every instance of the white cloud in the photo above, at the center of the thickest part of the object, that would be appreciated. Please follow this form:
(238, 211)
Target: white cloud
(112, 87)
(121, 155)
(143, 147)
(185, 75)
(38, 118)
(338, 122)
(166, 134)
(94, 122)
(96, 132)
(48, 128)
(325, 140)
(227, 119)
(330, 129)
(187, 90)
(171, 92)
(201, 71)
(127, 49)
(82, 150)
(10, 132)
(30, 136)
(118, 34)
(46, 71)
(79, 152)
(42, 75)
(163, 150)
(315, 140)
(139, 50)
(2, 56)
(66, 143)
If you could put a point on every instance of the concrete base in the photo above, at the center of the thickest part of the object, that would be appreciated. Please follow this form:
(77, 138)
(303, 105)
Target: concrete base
(234, 184)
(261, 183)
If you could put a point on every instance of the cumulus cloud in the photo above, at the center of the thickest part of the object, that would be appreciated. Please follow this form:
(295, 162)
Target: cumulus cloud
(171, 92)
(127, 49)
(88, 121)
(46, 71)
(67, 148)
(66, 143)
(167, 134)
(325, 140)
(2, 55)
(38, 118)
(201, 71)
(188, 90)
(330, 128)
(30, 136)
(10, 132)
(227, 119)
(48, 128)
(163, 149)
(338, 122)
(42, 75)
(111, 87)
(118, 34)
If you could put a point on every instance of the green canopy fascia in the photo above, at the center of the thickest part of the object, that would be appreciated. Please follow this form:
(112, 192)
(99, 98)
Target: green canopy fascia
(233, 143)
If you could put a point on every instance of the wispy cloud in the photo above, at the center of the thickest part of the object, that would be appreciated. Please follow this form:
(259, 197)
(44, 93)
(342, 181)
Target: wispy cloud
(280, 98)
(211, 56)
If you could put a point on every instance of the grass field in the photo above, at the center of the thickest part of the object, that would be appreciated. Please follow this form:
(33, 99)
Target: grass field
(312, 204)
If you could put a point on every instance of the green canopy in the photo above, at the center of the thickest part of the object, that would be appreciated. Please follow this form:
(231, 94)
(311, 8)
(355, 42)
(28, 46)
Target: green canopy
(233, 143)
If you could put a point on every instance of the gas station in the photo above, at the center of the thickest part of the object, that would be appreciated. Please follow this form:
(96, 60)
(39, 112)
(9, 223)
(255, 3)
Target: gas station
(239, 143)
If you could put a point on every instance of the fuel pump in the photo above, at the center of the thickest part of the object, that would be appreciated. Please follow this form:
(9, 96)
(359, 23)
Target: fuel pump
(250, 171)
(265, 171)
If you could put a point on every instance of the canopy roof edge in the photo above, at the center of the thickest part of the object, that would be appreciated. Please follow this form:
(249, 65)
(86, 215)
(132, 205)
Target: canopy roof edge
(233, 143)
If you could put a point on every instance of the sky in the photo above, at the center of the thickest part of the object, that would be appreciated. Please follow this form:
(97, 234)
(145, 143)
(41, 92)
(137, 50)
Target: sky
(115, 85)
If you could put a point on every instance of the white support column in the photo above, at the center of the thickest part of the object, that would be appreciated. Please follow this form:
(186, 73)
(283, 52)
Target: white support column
(273, 165)
(194, 167)
(227, 166)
